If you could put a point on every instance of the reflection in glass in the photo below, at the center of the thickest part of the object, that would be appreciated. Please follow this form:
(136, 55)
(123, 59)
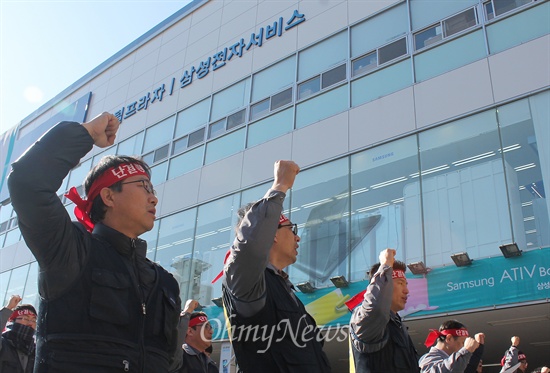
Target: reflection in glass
(309, 88)
(175, 245)
(522, 132)
(196, 137)
(213, 237)
(18, 280)
(30, 295)
(320, 207)
(216, 128)
(259, 109)
(465, 205)
(236, 119)
(379, 202)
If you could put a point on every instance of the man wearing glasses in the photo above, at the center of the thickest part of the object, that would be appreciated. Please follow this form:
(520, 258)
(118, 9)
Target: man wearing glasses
(197, 339)
(103, 305)
(17, 347)
(271, 330)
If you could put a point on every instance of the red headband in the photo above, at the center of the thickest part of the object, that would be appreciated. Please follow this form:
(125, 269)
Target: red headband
(434, 334)
(282, 219)
(398, 273)
(197, 320)
(358, 298)
(106, 179)
(21, 312)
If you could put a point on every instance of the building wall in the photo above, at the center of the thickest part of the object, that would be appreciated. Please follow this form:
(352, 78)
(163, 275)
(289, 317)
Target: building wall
(430, 143)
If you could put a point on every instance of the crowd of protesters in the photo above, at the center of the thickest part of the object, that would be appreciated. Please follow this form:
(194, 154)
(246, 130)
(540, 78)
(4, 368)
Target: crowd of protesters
(105, 307)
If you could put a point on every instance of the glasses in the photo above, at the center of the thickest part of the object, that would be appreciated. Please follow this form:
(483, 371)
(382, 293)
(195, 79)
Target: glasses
(26, 319)
(294, 228)
(147, 185)
(206, 325)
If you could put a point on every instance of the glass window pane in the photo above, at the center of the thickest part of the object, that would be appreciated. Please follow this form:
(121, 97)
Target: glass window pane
(322, 56)
(503, 6)
(379, 30)
(490, 13)
(271, 127)
(460, 22)
(132, 145)
(449, 56)
(159, 134)
(213, 237)
(192, 118)
(364, 64)
(519, 28)
(333, 76)
(281, 99)
(425, 12)
(256, 193)
(148, 158)
(322, 106)
(175, 245)
(225, 146)
(216, 128)
(463, 190)
(77, 175)
(5, 212)
(151, 238)
(393, 50)
(161, 153)
(158, 173)
(230, 99)
(4, 281)
(273, 79)
(185, 162)
(428, 37)
(381, 83)
(309, 88)
(30, 295)
(383, 213)
(17, 280)
(320, 207)
(12, 237)
(108, 151)
(179, 145)
(235, 120)
(196, 137)
(259, 109)
(524, 128)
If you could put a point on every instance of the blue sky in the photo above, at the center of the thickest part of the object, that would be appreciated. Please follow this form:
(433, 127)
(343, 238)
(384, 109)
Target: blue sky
(45, 46)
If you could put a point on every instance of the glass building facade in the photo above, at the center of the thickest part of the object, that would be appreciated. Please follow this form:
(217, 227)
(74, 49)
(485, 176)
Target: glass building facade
(419, 125)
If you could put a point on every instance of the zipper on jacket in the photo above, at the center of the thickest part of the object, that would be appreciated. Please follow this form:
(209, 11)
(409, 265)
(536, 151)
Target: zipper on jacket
(143, 306)
(126, 365)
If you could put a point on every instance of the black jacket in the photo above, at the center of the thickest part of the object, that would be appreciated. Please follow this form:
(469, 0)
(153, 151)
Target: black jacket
(397, 356)
(9, 359)
(296, 343)
(196, 363)
(103, 304)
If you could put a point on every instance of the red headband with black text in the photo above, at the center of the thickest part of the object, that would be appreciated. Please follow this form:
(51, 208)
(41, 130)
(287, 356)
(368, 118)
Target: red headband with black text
(106, 179)
(434, 334)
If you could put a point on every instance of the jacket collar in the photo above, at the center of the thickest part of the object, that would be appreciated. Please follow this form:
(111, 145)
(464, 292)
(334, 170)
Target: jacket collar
(123, 244)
